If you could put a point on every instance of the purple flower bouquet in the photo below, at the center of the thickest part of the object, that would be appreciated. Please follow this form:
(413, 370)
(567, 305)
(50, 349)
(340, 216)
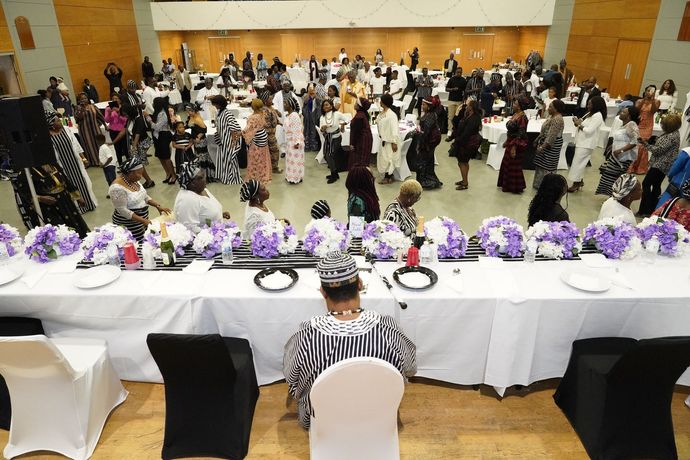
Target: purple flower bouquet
(324, 235)
(98, 241)
(665, 235)
(554, 240)
(614, 238)
(273, 239)
(383, 239)
(501, 235)
(180, 236)
(210, 240)
(49, 242)
(9, 236)
(447, 235)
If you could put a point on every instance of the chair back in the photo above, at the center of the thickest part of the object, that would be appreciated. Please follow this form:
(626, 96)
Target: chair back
(359, 396)
(405, 147)
(568, 125)
(406, 101)
(32, 356)
(411, 117)
(532, 113)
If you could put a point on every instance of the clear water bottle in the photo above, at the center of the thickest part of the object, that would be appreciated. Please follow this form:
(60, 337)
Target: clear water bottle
(113, 256)
(651, 248)
(228, 257)
(530, 252)
(425, 254)
(4, 255)
(148, 261)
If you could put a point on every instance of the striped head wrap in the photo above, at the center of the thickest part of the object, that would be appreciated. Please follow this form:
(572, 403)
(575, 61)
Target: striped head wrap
(623, 186)
(685, 190)
(187, 173)
(131, 84)
(51, 116)
(130, 165)
(292, 103)
(337, 269)
(265, 95)
(249, 189)
(320, 209)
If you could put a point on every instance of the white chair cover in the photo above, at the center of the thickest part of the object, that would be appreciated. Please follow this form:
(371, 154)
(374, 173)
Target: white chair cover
(568, 125)
(406, 102)
(403, 172)
(411, 117)
(567, 139)
(61, 390)
(368, 417)
(496, 152)
(531, 113)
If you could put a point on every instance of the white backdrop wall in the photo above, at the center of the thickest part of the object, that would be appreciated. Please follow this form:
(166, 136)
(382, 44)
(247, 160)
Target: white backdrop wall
(318, 14)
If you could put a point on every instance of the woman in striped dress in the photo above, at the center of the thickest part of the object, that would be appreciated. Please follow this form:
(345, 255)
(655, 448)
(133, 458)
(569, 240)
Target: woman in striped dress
(228, 138)
(130, 200)
(623, 150)
(69, 155)
(90, 120)
(400, 211)
(255, 136)
(549, 143)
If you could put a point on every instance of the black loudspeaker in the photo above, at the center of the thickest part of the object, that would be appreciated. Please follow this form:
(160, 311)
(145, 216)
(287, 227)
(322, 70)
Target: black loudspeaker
(25, 131)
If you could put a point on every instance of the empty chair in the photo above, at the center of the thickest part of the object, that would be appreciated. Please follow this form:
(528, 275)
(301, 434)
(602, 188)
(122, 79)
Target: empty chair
(496, 151)
(568, 125)
(369, 416)
(210, 394)
(531, 113)
(403, 172)
(62, 391)
(616, 392)
(14, 326)
(406, 100)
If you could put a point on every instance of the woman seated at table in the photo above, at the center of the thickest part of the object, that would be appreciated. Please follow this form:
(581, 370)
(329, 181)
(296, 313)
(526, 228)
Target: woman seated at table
(400, 211)
(625, 190)
(549, 143)
(195, 205)
(546, 204)
(255, 194)
(678, 208)
(130, 200)
(362, 200)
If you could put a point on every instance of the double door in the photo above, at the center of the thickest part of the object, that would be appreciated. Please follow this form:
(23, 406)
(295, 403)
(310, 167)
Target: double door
(628, 67)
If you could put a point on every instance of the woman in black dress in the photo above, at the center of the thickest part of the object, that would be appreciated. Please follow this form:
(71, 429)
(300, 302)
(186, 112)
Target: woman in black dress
(428, 137)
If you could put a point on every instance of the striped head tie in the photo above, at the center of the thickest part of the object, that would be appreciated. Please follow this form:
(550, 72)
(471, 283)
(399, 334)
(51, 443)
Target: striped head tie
(320, 209)
(337, 269)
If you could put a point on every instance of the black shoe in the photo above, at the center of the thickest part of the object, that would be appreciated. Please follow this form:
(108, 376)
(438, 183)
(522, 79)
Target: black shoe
(332, 179)
(149, 184)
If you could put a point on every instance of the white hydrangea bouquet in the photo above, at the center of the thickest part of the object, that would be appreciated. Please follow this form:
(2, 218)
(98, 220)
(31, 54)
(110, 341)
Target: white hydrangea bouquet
(665, 236)
(501, 235)
(272, 239)
(101, 239)
(46, 243)
(554, 240)
(447, 235)
(324, 235)
(180, 236)
(210, 240)
(383, 239)
(614, 238)
(9, 236)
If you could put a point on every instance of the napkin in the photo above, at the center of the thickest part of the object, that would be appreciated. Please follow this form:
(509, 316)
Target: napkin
(63, 265)
(596, 260)
(35, 275)
(311, 279)
(362, 263)
(491, 262)
(198, 267)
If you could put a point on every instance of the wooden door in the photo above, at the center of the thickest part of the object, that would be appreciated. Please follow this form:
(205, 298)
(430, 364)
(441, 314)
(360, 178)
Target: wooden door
(398, 44)
(219, 49)
(477, 50)
(296, 46)
(628, 67)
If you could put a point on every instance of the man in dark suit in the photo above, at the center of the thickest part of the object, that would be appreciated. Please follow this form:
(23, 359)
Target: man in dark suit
(147, 69)
(587, 91)
(450, 65)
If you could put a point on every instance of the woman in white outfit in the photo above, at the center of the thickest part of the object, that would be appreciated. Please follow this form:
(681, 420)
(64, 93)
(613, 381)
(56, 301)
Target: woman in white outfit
(667, 96)
(586, 140)
(389, 153)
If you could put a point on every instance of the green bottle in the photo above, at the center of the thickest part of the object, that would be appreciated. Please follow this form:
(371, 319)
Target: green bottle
(167, 247)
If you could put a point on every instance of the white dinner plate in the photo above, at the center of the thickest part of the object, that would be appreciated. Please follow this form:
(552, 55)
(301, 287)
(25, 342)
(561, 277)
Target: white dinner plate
(586, 280)
(96, 276)
(9, 273)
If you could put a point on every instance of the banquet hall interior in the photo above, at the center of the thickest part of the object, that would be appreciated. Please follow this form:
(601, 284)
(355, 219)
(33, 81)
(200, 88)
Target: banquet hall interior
(374, 229)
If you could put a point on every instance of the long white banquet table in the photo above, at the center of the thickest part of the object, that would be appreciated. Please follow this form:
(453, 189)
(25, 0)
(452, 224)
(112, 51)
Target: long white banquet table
(498, 324)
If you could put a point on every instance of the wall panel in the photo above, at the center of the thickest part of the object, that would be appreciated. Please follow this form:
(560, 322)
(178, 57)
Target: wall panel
(6, 45)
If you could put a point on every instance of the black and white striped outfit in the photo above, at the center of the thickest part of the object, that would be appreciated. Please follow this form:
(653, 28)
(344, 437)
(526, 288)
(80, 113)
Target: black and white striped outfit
(405, 218)
(260, 138)
(127, 203)
(69, 159)
(227, 167)
(134, 100)
(324, 341)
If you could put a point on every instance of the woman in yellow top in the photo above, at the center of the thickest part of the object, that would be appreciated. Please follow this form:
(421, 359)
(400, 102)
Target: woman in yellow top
(350, 91)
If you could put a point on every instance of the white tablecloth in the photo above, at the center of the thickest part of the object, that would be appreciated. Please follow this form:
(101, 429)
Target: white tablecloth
(505, 326)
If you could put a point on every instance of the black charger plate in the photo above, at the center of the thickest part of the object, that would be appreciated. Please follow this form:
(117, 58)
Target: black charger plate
(433, 277)
(269, 271)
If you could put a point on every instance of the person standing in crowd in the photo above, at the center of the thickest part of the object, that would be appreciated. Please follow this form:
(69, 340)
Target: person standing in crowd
(490, 93)
(395, 87)
(425, 85)
(450, 66)
(54, 91)
(347, 331)
(533, 60)
(90, 121)
(90, 91)
(624, 191)
(467, 139)
(512, 89)
(344, 70)
(414, 59)
(204, 97)
(46, 95)
(320, 87)
(663, 153)
(248, 66)
(377, 83)
(149, 94)
(428, 138)
(551, 95)
(272, 81)
(667, 96)
(389, 155)
(131, 98)
(113, 73)
(475, 85)
(334, 96)
(624, 150)
(228, 139)
(313, 69)
(510, 177)
(196, 124)
(332, 124)
(147, 69)
(63, 100)
(677, 208)
(161, 127)
(361, 140)
(587, 90)
(362, 200)
(70, 157)
(183, 82)
(365, 74)
(136, 134)
(256, 139)
(586, 138)
(679, 172)
(272, 120)
(378, 57)
(105, 160)
(456, 94)
(342, 55)
(647, 106)
(546, 204)
(294, 142)
(261, 67)
(311, 113)
(549, 144)
(351, 91)
(568, 77)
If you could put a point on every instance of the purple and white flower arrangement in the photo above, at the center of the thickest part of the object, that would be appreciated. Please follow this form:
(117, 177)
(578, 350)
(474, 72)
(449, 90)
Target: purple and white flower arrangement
(554, 240)
(179, 234)
(324, 235)
(49, 242)
(383, 239)
(101, 239)
(615, 238)
(273, 239)
(210, 240)
(9, 236)
(665, 236)
(446, 234)
(501, 235)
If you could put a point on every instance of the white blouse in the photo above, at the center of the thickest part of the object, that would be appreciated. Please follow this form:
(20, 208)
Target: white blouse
(588, 136)
(612, 208)
(124, 200)
(667, 101)
(195, 211)
(623, 136)
(331, 121)
(254, 216)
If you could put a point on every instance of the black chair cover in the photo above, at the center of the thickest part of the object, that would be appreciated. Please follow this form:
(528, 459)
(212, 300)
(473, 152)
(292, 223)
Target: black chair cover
(210, 394)
(9, 327)
(617, 393)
